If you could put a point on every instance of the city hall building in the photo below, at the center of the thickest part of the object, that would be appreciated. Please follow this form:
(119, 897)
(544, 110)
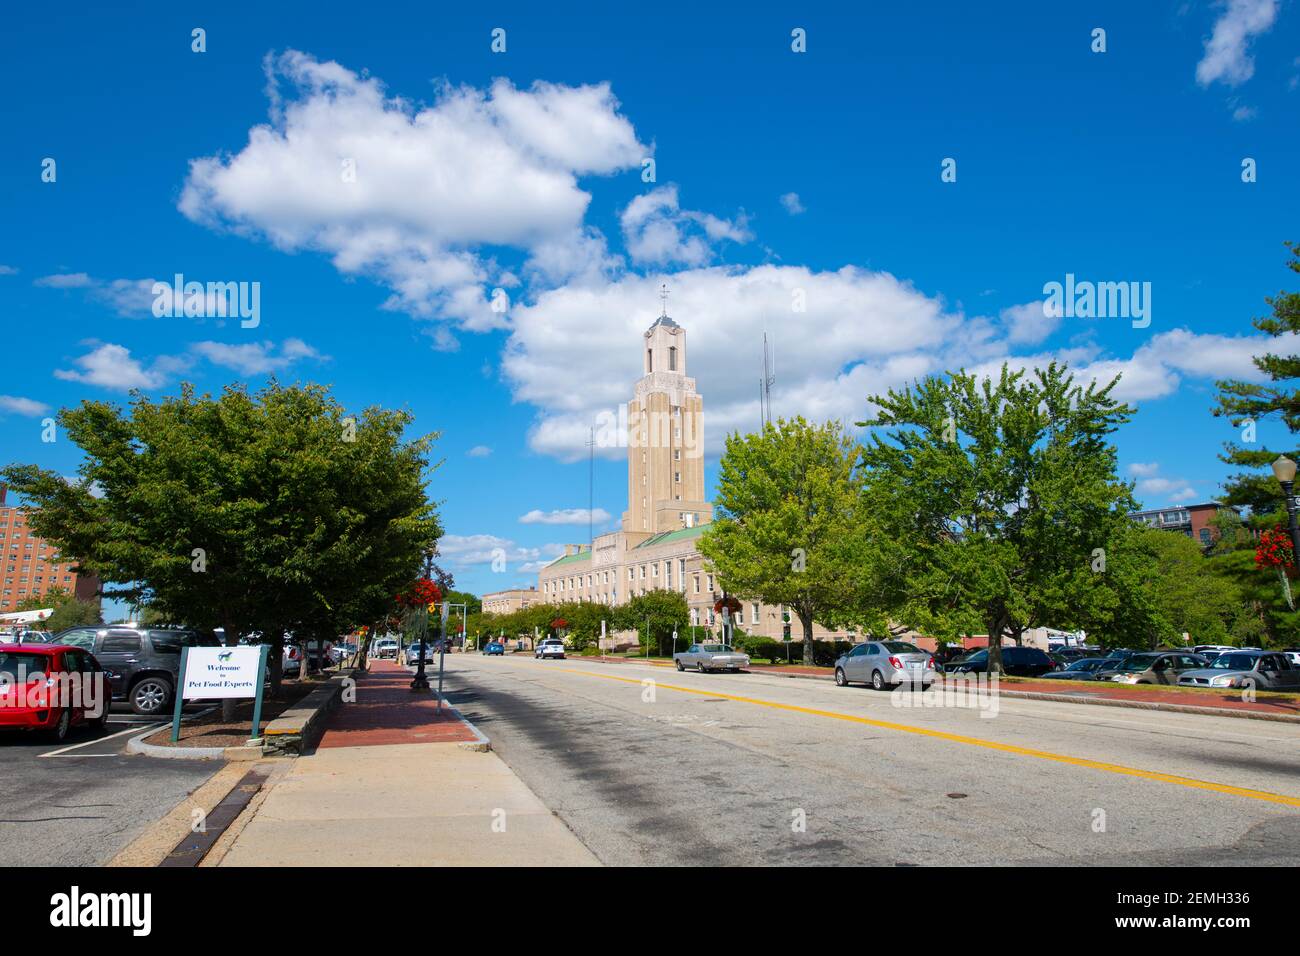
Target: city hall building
(657, 545)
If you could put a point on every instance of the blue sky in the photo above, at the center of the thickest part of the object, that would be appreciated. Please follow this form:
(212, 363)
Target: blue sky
(778, 175)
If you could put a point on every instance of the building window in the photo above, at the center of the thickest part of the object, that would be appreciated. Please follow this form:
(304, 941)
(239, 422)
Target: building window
(697, 584)
(672, 358)
(649, 360)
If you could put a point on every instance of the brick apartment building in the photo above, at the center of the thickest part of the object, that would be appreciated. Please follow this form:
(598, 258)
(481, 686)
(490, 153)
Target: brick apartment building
(31, 566)
(1191, 520)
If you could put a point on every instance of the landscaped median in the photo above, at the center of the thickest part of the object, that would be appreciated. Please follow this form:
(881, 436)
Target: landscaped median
(1266, 705)
(291, 724)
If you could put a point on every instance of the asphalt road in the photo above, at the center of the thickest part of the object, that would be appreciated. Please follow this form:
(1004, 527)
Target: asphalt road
(80, 802)
(803, 772)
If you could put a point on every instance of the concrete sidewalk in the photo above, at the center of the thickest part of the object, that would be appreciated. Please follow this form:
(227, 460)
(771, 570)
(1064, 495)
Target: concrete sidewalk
(378, 792)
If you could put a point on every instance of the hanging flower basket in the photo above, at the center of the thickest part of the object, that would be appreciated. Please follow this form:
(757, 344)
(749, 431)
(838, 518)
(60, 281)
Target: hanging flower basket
(421, 593)
(728, 602)
(1274, 550)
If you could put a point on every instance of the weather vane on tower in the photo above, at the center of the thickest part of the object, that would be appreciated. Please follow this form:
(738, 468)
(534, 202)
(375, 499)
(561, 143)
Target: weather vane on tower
(663, 295)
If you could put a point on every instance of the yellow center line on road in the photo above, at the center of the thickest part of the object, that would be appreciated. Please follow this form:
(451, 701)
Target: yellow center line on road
(972, 742)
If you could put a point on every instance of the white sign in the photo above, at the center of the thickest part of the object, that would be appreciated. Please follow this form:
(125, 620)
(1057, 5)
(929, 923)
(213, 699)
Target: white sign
(214, 672)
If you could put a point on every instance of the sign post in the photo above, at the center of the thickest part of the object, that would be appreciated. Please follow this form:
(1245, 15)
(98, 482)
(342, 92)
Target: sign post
(217, 673)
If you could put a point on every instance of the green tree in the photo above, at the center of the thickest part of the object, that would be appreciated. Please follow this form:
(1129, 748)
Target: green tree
(786, 515)
(1163, 587)
(993, 500)
(1247, 404)
(262, 512)
(66, 609)
(654, 615)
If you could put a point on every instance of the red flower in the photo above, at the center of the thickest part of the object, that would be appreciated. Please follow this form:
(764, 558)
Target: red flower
(1274, 550)
(559, 624)
(421, 593)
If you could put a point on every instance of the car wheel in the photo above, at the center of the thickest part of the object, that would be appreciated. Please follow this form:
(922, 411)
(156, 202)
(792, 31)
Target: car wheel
(59, 732)
(877, 680)
(840, 679)
(700, 667)
(100, 723)
(680, 665)
(151, 696)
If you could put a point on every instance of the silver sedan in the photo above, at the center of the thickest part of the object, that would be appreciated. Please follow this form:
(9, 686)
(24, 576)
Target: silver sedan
(885, 664)
(711, 657)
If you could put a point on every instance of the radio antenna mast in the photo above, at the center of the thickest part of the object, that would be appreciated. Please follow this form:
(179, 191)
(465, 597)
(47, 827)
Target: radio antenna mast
(769, 379)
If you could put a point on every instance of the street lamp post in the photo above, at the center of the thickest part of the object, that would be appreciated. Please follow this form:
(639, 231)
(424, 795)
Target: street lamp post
(419, 681)
(1284, 472)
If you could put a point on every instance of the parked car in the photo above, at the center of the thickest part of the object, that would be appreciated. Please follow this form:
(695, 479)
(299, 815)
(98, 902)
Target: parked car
(143, 663)
(1292, 654)
(711, 657)
(1083, 669)
(411, 656)
(1217, 648)
(552, 647)
(386, 647)
(1153, 667)
(1263, 670)
(1016, 662)
(40, 666)
(885, 664)
(494, 647)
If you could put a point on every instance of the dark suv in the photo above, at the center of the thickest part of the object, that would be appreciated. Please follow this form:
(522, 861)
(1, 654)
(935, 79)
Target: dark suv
(1016, 662)
(144, 663)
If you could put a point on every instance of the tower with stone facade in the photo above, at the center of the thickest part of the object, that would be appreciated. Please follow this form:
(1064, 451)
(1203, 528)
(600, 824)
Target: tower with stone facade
(665, 448)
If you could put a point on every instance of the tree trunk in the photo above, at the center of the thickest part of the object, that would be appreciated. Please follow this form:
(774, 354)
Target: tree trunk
(807, 622)
(995, 646)
(277, 663)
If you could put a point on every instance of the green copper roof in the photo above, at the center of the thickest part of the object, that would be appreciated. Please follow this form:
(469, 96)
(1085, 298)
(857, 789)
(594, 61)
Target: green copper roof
(681, 534)
(570, 559)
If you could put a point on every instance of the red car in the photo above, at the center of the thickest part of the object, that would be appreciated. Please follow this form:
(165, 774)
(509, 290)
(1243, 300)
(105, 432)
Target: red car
(52, 688)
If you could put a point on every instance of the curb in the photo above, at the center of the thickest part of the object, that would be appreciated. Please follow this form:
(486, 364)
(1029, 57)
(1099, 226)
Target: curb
(482, 744)
(136, 745)
(1101, 701)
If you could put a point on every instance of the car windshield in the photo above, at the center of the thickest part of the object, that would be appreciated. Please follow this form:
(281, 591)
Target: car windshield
(715, 648)
(1136, 663)
(14, 663)
(901, 647)
(1235, 662)
(1086, 664)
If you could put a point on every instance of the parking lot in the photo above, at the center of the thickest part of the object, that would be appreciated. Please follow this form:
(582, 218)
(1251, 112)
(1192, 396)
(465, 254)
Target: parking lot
(78, 803)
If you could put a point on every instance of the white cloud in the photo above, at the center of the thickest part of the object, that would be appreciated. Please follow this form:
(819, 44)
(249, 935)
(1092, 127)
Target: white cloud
(1030, 323)
(861, 332)
(479, 451)
(130, 298)
(464, 551)
(565, 516)
(22, 406)
(792, 204)
(1163, 490)
(433, 183)
(111, 366)
(8, 270)
(657, 231)
(65, 280)
(1227, 56)
(255, 358)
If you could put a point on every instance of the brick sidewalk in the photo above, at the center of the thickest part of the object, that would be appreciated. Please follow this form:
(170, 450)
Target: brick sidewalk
(387, 711)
